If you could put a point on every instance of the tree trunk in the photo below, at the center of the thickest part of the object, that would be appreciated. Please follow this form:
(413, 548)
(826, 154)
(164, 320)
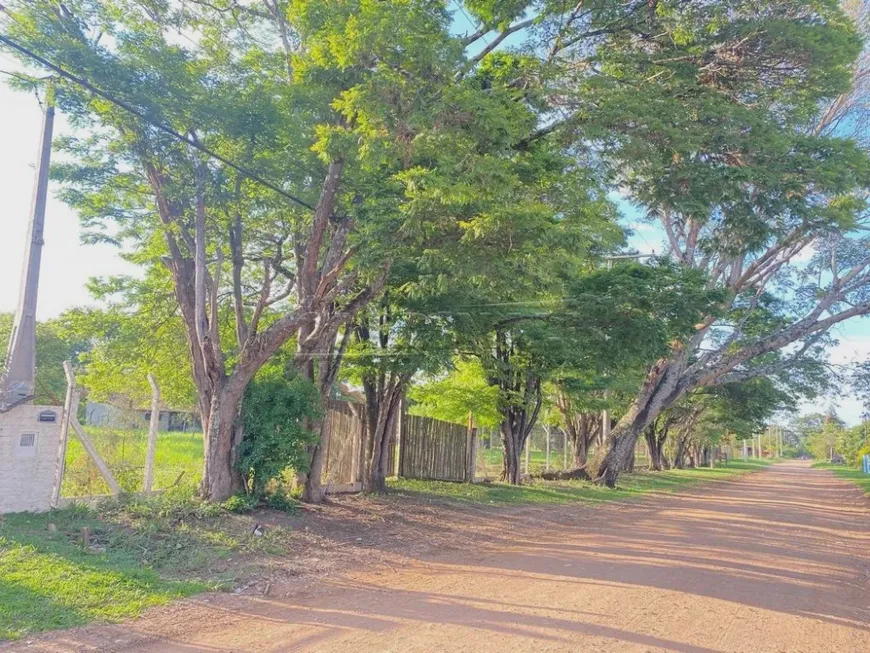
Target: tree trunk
(655, 442)
(660, 389)
(380, 431)
(220, 476)
(313, 490)
(680, 454)
(322, 370)
(581, 452)
(512, 448)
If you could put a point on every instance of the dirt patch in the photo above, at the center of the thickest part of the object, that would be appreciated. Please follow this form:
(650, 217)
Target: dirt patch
(775, 561)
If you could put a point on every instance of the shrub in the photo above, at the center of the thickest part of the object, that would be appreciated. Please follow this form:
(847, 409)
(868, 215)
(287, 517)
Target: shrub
(274, 413)
(241, 503)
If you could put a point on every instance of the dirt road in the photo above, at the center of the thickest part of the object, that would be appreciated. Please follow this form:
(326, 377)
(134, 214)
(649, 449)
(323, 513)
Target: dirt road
(777, 561)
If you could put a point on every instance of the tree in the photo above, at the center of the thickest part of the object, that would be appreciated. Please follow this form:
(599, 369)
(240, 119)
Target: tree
(53, 347)
(461, 393)
(606, 320)
(743, 190)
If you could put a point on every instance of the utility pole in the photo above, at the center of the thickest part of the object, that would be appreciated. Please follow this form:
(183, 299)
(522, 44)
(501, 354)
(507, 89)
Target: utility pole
(18, 380)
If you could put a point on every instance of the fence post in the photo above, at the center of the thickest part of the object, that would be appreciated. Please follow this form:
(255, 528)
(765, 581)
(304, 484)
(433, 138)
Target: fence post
(471, 451)
(400, 437)
(95, 456)
(70, 408)
(153, 426)
(564, 449)
(528, 452)
(547, 447)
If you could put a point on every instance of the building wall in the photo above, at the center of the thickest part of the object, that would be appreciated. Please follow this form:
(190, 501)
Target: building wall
(137, 419)
(27, 464)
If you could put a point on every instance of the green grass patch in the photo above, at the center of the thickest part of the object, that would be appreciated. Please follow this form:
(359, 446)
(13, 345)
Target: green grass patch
(852, 474)
(178, 457)
(560, 492)
(143, 552)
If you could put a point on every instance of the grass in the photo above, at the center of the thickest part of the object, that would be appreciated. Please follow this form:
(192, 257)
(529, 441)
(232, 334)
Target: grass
(177, 454)
(560, 492)
(852, 474)
(143, 552)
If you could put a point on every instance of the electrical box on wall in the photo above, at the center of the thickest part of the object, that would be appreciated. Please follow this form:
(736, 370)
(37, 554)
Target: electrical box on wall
(26, 446)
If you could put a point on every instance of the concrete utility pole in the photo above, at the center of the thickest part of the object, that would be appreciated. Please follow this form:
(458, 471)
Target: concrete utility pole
(18, 381)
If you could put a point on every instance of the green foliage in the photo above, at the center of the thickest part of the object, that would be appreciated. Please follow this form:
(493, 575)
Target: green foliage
(53, 346)
(240, 503)
(138, 334)
(820, 435)
(463, 391)
(144, 551)
(851, 474)
(274, 413)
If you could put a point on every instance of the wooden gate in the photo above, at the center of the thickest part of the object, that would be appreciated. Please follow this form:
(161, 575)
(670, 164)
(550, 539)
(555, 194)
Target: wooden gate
(435, 450)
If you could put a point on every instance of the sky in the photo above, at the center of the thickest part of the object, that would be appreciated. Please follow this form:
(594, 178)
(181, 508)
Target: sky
(68, 264)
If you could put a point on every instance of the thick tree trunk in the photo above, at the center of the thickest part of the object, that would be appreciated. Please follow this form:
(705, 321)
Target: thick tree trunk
(512, 448)
(323, 372)
(655, 442)
(622, 441)
(680, 454)
(220, 475)
(581, 452)
(660, 389)
(313, 490)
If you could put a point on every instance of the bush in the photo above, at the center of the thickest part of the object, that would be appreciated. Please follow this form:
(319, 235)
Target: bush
(283, 502)
(274, 412)
(240, 503)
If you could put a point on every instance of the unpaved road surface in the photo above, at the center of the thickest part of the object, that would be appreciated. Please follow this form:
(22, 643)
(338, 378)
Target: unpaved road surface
(776, 561)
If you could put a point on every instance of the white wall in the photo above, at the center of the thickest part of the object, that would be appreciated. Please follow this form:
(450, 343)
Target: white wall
(27, 473)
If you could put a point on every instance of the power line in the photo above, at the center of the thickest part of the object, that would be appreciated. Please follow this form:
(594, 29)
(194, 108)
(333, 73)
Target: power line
(142, 116)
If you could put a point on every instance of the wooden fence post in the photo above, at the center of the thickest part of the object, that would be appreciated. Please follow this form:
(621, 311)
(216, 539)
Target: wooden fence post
(471, 451)
(547, 447)
(564, 449)
(70, 408)
(153, 425)
(528, 452)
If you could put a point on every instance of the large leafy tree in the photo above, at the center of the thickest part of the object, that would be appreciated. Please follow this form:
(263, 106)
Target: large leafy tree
(747, 179)
(733, 125)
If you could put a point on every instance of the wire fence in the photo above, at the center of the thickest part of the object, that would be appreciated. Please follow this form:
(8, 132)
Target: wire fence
(177, 460)
(548, 449)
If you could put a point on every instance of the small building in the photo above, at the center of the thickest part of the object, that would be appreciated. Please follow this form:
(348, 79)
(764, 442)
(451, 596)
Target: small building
(111, 415)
